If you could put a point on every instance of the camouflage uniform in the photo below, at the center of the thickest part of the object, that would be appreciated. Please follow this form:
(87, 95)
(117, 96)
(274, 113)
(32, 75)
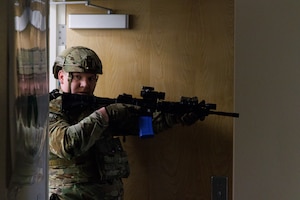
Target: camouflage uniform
(86, 161)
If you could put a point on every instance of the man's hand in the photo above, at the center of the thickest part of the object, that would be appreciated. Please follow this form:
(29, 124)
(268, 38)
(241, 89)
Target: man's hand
(189, 118)
(192, 117)
(120, 112)
(123, 118)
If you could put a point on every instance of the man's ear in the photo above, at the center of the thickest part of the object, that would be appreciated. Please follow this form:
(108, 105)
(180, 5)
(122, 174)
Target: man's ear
(61, 75)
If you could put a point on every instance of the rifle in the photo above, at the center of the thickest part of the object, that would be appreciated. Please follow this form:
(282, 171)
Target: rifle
(150, 102)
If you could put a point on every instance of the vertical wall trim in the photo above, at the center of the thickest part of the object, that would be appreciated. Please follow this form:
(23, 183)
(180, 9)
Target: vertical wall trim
(56, 19)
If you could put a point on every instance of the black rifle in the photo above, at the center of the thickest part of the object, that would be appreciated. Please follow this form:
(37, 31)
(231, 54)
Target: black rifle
(150, 102)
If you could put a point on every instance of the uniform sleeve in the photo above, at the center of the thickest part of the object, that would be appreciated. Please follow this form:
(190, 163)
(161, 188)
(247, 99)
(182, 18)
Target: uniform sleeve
(68, 141)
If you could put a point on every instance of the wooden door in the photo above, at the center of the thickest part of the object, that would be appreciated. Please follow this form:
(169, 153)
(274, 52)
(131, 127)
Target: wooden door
(183, 48)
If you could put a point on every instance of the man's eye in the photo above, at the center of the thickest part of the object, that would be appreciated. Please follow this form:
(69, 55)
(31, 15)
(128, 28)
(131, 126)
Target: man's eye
(92, 79)
(77, 77)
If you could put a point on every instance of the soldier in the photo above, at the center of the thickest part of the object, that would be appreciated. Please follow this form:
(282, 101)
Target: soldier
(86, 158)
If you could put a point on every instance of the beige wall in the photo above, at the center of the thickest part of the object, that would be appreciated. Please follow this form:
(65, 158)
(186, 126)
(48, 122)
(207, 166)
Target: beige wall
(183, 48)
(267, 46)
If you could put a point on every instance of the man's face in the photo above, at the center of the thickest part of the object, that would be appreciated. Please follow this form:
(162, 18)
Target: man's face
(82, 83)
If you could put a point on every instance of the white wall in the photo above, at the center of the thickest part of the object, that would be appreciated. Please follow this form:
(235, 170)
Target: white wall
(267, 67)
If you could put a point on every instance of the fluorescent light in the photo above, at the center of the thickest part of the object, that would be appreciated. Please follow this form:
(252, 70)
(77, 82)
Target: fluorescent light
(98, 21)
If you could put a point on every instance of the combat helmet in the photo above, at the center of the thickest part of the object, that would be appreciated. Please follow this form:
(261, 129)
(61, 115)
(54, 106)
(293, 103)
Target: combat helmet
(77, 59)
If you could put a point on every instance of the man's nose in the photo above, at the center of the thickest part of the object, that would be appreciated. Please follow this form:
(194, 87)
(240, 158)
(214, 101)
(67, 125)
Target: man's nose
(84, 82)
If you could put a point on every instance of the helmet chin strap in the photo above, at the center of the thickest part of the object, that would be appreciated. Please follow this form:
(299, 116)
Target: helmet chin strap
(70, 77)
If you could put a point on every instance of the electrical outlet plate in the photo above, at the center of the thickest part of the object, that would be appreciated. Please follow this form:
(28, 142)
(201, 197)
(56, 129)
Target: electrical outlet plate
(219, 188)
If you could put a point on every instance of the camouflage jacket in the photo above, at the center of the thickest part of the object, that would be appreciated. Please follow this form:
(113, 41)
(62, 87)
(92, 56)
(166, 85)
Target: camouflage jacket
(86, 161)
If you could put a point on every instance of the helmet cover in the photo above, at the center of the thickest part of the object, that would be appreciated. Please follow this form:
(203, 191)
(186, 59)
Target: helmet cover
(78, 59)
